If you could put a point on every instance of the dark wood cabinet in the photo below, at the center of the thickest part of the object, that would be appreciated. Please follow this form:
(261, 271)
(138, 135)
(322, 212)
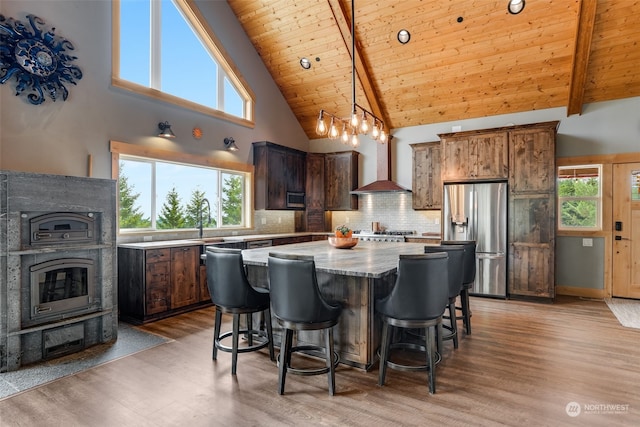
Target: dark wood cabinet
(427, 181)
(341, 177)
(475, 155)
(532, 210)
(290, 240)
(315, 218)
(278, 170)
(159, 282)
(532, 159)
(185, 287)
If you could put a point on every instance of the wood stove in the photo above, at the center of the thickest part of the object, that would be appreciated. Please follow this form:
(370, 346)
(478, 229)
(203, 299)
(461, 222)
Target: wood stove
(58, 283)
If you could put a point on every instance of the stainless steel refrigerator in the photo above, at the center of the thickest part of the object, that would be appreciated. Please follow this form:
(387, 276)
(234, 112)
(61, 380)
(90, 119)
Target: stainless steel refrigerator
(478, 211)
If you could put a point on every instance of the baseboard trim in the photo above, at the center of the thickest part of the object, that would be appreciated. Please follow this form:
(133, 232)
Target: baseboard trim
(580, 292)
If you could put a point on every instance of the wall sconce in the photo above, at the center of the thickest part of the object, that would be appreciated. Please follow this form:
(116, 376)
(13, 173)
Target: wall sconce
(165, 130)
(230, 144)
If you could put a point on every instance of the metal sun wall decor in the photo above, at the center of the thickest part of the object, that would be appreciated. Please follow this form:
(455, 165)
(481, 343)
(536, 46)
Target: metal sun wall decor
(37, 59)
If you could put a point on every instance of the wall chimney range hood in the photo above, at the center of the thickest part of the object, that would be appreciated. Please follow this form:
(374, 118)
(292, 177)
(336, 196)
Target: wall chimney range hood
(384, 184)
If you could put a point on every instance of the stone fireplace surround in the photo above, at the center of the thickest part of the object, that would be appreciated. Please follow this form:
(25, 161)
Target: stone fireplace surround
(24, 195)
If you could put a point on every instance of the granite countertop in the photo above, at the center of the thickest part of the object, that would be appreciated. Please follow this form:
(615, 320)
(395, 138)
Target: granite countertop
(253, 237)
(213, 240)
(366, 259)
(169, 243)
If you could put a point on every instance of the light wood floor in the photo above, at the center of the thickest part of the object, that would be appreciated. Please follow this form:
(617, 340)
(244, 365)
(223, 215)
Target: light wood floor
(521, 366)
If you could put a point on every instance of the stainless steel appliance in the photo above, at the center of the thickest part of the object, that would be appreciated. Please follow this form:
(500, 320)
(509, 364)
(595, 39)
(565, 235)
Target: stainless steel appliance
(382, 236)
(478, 211)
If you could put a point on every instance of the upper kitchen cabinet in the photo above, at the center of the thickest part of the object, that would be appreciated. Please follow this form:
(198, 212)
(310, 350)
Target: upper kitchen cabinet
(279, 181)
(532, 158)
(474, 155)
(341, 177)
(427, 182)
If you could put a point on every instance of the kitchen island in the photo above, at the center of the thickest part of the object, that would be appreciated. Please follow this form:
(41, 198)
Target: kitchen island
(354, 277)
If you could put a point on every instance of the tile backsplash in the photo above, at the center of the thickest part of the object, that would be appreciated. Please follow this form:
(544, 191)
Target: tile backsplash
(392, 210)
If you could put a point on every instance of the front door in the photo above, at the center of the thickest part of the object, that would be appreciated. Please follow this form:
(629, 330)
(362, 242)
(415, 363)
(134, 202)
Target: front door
(626, 230)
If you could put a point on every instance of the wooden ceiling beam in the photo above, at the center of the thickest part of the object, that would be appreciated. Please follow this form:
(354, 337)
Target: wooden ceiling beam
(582, 49)
(343, 20)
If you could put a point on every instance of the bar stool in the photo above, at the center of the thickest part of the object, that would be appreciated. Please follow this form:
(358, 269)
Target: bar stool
(417, 300)
(231, 293)
(298, 306)
(455, 266)
(468, 280)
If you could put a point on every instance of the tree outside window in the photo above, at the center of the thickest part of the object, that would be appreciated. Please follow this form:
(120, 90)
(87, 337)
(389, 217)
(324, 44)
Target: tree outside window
(579, 197)
(184, 196)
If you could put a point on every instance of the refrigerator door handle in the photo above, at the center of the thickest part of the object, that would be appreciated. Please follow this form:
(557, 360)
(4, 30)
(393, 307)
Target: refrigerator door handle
(490, 256)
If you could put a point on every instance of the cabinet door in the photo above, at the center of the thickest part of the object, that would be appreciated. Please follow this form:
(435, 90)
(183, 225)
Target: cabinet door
(184, 281)
(295, 172)
(532, 160)
(488, 156)
(427, 182)
(314, 215)
(455, 158)
(277, 179)
(157, 287)
(204, 289)
(531, 245)
(341, 177)
(479, 155)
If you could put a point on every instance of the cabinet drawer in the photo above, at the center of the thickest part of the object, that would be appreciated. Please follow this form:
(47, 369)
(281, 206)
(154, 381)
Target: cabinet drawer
(158, 255)
(157, 299)
(157, 273)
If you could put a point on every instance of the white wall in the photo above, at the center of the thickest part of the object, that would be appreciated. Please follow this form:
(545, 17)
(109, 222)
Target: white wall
(57, 137)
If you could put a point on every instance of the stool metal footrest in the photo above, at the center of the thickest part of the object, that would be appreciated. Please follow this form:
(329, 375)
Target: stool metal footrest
(310, 371)
(254, 347)
(409, 346)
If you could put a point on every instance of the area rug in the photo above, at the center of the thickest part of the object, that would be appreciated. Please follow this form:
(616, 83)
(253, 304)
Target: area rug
(627, 311)
(130, 341)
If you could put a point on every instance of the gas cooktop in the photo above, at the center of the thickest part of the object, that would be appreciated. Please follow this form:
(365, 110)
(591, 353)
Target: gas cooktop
(384, 233)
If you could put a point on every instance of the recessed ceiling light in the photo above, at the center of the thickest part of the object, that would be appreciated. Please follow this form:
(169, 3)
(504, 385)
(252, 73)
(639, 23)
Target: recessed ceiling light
(515, 6)
(305, 63)
(404, 36)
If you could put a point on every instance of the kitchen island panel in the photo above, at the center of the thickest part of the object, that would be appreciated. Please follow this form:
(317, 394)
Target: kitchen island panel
(353, 277)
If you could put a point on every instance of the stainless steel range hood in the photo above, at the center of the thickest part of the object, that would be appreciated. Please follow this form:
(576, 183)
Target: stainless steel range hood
(383, 184)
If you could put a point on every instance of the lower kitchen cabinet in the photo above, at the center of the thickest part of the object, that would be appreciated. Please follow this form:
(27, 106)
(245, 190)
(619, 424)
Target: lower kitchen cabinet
(159, 282)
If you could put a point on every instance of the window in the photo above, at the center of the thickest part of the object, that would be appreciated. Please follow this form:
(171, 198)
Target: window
(580, 197)
(163, 190)
(165, 50)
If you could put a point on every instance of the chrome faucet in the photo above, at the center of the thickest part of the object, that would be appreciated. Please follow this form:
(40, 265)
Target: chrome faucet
(200, 225)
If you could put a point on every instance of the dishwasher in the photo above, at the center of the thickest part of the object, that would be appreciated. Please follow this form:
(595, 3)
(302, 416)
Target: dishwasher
(258, 244)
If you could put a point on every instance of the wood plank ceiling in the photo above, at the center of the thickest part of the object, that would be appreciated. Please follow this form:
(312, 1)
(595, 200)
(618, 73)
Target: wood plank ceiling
(465, 59)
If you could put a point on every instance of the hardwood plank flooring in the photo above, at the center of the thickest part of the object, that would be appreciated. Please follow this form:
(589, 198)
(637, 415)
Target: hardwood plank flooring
(521, 366)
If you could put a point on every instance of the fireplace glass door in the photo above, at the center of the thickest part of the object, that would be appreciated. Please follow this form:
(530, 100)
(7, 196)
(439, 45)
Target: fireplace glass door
(61, 286)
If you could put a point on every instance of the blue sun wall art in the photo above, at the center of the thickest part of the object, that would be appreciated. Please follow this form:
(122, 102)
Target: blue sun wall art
(37, 58)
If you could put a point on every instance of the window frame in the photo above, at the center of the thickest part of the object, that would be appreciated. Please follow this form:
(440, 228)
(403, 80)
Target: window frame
(599, 199)
(196, 20)
(154, 154)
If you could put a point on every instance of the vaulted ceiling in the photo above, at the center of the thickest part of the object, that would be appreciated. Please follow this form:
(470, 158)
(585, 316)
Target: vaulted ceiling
(465, 59)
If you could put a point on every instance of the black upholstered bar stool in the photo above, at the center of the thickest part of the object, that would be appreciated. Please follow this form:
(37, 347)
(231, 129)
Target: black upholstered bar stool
(417, 300)
(455, 266)
(468, 280)
(298, 306)
(231, 293)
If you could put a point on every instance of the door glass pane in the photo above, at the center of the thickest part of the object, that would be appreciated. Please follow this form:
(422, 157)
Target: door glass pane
(635, 185)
